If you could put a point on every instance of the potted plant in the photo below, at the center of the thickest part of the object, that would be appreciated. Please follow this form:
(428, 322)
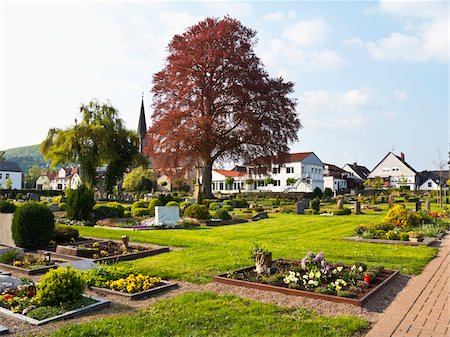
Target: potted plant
(415, 236)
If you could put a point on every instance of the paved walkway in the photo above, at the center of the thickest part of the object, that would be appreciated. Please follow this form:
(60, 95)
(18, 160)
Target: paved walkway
(422, 309)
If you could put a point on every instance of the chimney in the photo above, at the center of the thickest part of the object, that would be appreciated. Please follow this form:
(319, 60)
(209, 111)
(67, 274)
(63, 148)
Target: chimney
(354, 164)
(402, 156)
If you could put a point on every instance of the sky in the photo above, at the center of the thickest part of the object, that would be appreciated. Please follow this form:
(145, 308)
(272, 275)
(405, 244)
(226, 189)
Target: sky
(370, 76)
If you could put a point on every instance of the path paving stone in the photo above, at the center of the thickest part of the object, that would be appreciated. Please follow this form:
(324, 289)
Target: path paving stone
(3, 330)
(422, 308)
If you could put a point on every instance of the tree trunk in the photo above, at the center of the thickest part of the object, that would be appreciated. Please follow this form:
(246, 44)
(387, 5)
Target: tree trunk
(207, 178)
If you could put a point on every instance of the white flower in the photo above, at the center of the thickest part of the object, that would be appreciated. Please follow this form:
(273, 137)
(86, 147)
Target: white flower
(318, 274)
(339, 269)
(311, 274)
(360, 269)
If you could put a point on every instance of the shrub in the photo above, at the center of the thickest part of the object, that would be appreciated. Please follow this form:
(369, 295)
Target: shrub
(163, 198)
(188, 223)
(287, 209)
(393, 235)
(221, 214)
(214, 206)
(172, 203)
(9, 256)
(315, 204)
(62, 206)
(154, 202)
(60, 285)
(139, 204)
(386, 226)
(241, 203)
(184, 205)
(140, 212)
(197, 211)
(328, 193)
(343, 211)
(106, 211)
(7, 207)
(400, 217)
(64, 233)
(207, 202)
(127, 214)
(404, 236)
(79, 203)
(118, 207)
(228, 208)
(317, 193)
(33, 225)
(227, 202)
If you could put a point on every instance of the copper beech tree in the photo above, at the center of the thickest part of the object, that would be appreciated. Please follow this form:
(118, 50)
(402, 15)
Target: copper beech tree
(213, 100)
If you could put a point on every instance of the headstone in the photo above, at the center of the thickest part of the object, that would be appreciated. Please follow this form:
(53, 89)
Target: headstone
(340, 203)
(418, 206)
(427, 205)
(54, 207)
(357, 207)
(167, 216)
(9, 282)
(306, 203)
(233, 203)
(259, 216)
(299, 208)
(5, 229)
(79, 265)
(390, 199)
(35, 197)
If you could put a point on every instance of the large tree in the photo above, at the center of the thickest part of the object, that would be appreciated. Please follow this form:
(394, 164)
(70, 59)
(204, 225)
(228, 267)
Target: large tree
(98, 139)
(213, 100)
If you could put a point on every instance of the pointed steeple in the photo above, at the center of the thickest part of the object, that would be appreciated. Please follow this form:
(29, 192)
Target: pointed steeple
(142, 127)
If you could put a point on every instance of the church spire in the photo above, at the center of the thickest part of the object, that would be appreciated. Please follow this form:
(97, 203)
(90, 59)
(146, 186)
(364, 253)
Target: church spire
(142, 127)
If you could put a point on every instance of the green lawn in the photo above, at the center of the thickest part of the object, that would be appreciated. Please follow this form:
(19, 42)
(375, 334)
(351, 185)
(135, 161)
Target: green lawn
(209, 314)
(210, 251)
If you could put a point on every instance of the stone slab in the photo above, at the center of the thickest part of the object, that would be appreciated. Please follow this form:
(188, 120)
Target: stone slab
(5, 229)
(3, 330)
(167, 216)
(79, 265)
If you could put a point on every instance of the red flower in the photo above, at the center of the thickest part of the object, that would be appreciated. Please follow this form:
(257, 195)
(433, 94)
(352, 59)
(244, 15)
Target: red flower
(7, 297)
(367, 278)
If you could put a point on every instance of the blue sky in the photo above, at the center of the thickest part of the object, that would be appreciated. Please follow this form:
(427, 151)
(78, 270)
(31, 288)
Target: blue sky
(370, 77)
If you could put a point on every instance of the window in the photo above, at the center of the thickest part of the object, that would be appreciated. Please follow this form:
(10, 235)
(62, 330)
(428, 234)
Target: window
(289, 170)
(7, 175)
(260, 183)
(1, 175)
(276, 170)
(430, 184)
(276, 183)
(386, 169)
(395, 169)
(221, 186)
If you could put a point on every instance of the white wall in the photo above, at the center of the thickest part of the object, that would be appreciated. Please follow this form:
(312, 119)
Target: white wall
(16, 179)
(393, 168)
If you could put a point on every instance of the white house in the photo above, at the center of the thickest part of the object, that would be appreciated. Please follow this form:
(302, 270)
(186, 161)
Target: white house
(10, 169)
(395, 171)
(433, 180)
(65, 177)
(335, 178)
(357, 172)
(218, 183)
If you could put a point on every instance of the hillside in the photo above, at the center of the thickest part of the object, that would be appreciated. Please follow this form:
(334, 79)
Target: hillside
(26, 156)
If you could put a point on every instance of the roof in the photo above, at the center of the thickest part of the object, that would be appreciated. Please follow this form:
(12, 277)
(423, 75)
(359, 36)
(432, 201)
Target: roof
(361, 171)
(333, 170)
(399, 158)
(10, 166)
(230, 173)
(70, 172)
(433, 175)
(290, 158)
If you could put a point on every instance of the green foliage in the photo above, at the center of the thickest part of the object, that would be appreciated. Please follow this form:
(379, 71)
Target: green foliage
(139, 204)
(7, 206)
(342, 211)
(172, 203)
(9, 256)
(197, 211)
(317, 193)
(140, 211)
(393, 235)
(229, 181)
(79, 203)
(328, 193)
(8, 183)
(227, 208)
(287, 209)
(214, 206)
(154, 202)
(221, 214)
(207, 202)
(33, 225)
(62, 206)
(109, 210)
(100, 275)
(184, 205)
(65, 233)
(315, 204)
(400, 217)
(268, 180)
(404, 236)
(241, 203)
(60, 285)
(227, 202)
(139, 179)
(291, 181)
(33, 174)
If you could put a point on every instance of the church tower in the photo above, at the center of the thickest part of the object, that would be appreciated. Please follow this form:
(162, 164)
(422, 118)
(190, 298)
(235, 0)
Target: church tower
(142, 127)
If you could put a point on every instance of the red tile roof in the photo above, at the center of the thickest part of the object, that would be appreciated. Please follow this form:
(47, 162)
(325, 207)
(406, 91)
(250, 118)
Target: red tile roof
(229, 173)
(290, 158)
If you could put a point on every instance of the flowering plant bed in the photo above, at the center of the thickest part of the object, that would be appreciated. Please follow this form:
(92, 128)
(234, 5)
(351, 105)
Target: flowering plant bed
(28, 264)
(124, 282)
(315, 278)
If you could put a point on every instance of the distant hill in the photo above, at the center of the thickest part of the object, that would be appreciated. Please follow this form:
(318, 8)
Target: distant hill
(26, 156)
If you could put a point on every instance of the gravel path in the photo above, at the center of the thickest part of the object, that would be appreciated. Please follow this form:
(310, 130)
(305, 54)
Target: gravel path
(371, 311)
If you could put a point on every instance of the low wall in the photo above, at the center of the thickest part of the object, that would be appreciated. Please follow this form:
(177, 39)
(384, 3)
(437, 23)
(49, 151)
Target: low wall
(5, 229)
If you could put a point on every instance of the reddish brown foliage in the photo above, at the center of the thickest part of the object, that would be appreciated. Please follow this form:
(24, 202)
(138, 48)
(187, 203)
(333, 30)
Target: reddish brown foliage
(214, 100)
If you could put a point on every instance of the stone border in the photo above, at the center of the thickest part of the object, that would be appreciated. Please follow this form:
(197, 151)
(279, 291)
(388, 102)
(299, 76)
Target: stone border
(99, 304)
(25, 271)
(332, 298)
(135, 296)
(427, 241)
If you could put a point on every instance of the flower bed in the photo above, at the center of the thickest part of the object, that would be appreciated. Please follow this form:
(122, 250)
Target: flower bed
(28, 264)
(315, 278)
(124, 282)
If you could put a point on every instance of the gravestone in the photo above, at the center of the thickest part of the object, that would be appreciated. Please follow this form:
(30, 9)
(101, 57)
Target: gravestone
(167, 216)
(54, 207)
(427, 205)
(340, 203)
(34, 197)
(233, 203)
(358, 207)
(390, 199)
(418, 206)
(5, 229)
(79, 265)
(306, 203)
(9, 282)
(299, 208)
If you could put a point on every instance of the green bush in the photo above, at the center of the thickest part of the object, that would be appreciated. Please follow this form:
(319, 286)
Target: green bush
(62, 206)
(9, 256)
(404, 236)
(228, 208)
(197, 211)
(139, 204)
(207, 202)
(65, 233)
(118, 207)
(342, 211)
(399, 216)
(105, 211)
(127, 214)
(184, 205)
(172, 203)
(33, 225)
(221, 214)
(214, 206)
(315, 204)
(228, 202)
(155, 202)
(7, 207)
(393, 235)
(79, 203)
(140, 212)
(287, 209)
(60, 285)
(164, 199)
(241, 203)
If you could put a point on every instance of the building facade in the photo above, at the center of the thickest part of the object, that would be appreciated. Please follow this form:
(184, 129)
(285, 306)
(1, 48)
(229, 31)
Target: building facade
(11, 170)
(59, 181)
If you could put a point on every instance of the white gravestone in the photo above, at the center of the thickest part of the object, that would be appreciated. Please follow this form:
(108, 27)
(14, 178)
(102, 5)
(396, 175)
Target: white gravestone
(167, 216)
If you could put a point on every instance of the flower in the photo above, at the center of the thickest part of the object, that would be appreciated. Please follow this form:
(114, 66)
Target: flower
(339, 268)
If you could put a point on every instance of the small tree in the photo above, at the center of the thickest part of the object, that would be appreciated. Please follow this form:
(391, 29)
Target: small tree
(402, 182)
(139, 179)
(317, 193)
(328, 193)
(8, 183)
(79, 203)
(229, 181)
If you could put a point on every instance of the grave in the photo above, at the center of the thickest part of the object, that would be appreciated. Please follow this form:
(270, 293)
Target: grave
(358, 208)
(427, 205)
(340, 203)
(79, 265)
(5, 230)
(299, 207)
(418, 206)
(167, 216)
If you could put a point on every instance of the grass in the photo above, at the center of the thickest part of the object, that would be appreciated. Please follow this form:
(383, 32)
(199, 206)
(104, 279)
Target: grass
(209, 314)
(210, 251)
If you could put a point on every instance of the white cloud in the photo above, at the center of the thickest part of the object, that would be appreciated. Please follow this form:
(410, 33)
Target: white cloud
(355, 41)
(400, 95)
(307, 33)
(279, 16)
(425, 36)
